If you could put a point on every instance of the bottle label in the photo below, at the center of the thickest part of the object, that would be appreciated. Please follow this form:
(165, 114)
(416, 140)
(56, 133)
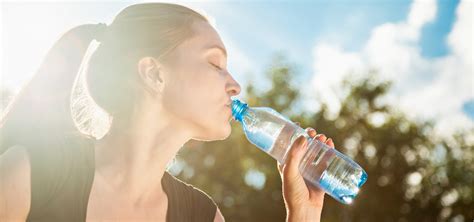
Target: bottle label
(283, 142)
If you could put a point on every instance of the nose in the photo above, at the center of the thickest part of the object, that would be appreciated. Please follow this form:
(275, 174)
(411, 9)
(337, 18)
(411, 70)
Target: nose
(233, 88)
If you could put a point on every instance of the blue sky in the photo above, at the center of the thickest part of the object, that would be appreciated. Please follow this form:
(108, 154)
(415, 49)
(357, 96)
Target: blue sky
(310, 33)
(294, 27)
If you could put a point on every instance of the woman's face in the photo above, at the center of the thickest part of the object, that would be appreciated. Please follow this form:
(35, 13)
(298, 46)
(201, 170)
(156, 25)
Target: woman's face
(198, 87)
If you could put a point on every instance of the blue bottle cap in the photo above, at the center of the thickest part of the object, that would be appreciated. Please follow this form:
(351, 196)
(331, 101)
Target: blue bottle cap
(238, 109)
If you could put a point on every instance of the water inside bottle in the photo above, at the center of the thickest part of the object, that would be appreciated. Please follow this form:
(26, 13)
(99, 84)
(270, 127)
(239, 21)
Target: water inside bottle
(263, 131)
(330, 170)
(322, 166)
(288, 133)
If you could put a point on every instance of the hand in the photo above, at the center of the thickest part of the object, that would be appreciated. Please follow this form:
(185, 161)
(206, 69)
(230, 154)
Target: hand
(303, 202)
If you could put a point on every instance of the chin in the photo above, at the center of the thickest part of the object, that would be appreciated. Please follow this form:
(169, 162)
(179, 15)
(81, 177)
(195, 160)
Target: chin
(221, 133)
(226, 134)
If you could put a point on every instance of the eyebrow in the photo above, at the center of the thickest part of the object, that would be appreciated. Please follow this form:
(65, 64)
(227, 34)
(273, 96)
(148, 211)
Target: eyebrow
(219, 48)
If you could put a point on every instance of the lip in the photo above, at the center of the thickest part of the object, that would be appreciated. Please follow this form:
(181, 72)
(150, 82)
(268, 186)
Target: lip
(229, 110)
(229, 105)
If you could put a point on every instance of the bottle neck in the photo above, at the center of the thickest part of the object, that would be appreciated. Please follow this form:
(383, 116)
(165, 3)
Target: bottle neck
(238, 109)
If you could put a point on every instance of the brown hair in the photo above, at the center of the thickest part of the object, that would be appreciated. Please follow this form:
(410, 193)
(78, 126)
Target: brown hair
(40, 114)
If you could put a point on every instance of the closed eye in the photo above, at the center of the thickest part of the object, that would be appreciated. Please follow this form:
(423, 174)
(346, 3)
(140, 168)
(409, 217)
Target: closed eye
(216, 66)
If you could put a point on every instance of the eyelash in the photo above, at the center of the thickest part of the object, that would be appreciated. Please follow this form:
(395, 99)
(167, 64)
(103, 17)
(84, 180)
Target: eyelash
(217, 67)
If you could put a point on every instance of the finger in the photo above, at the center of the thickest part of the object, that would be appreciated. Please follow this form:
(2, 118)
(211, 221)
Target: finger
(311, 132)
(330, 143)
(321, 137)
(294, 157)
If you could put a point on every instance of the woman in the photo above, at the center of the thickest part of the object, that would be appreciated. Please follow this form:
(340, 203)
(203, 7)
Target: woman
(160, 73)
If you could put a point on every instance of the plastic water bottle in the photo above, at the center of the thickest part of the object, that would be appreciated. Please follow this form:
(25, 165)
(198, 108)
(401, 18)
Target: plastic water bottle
(322, 166)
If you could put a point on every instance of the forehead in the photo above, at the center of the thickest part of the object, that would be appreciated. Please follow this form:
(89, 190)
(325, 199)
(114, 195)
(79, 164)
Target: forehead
(204, 38)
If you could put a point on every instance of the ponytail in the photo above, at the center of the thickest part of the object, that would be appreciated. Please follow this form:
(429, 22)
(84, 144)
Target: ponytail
(39, 114)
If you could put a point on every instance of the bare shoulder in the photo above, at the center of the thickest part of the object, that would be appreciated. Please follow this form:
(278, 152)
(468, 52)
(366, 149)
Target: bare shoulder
(15, 185)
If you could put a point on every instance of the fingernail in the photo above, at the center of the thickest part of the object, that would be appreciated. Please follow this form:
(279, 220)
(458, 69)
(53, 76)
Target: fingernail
(299, 140)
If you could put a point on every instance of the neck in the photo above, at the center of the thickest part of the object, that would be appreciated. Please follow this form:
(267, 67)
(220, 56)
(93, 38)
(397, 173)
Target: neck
(132, 162)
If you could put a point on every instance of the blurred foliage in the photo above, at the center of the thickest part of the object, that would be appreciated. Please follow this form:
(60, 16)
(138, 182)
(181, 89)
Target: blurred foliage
(413, 175)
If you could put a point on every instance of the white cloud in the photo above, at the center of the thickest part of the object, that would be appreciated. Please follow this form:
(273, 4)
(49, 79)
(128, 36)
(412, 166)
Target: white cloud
(427, 88)
(421, 12)
(332, 63)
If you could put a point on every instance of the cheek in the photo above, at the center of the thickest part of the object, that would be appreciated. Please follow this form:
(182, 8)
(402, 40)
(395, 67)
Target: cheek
(195, 95)
(207, 120)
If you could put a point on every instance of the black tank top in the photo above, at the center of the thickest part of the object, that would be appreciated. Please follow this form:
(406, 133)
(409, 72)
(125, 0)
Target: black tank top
(61, 181)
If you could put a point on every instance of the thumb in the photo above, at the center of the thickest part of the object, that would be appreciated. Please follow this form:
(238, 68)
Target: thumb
(295, 154)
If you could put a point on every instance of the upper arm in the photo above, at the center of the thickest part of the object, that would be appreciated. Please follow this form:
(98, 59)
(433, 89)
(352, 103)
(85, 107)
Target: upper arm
(15, 186)
(219, 217)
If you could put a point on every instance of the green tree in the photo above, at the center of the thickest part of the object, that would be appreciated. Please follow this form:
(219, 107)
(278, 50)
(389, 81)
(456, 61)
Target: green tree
(413, 174)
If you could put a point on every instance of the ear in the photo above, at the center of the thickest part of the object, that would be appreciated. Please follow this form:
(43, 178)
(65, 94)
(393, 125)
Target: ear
(151, 77)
